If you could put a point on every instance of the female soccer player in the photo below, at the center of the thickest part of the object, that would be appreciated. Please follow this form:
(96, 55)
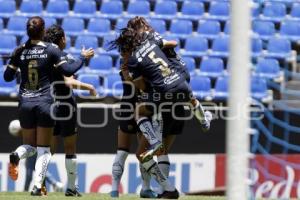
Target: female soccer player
(64, 96)
(36, 60)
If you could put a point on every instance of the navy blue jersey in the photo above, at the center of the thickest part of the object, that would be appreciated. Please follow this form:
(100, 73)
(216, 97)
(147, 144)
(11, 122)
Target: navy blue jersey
(37, 61)
(149, 61)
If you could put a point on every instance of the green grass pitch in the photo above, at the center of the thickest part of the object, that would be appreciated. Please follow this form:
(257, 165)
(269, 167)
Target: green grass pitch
(60, 196)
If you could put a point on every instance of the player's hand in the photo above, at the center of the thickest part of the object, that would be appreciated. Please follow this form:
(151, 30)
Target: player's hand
(87, 53)
(93, 91)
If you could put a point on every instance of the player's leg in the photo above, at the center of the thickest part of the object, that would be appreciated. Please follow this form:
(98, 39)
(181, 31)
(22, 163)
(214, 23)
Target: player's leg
(152, 168)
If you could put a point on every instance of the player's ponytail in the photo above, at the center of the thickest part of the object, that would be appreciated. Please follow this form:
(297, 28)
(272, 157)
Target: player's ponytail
(35, 28)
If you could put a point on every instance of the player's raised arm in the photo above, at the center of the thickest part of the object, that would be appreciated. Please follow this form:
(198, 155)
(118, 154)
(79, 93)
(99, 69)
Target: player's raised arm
(169, 43)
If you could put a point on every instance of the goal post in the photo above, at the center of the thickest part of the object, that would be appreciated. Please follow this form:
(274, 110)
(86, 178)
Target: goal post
(238, 124)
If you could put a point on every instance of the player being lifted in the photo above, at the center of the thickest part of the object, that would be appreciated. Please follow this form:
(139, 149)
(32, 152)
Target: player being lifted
(36, 60)
(66, 106)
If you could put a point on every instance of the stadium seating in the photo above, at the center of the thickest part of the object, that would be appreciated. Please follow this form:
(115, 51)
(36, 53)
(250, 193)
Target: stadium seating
(279, 48)
(49, 21)
(31, 8)
(219, 10)
(268, 68)
(1, 25)
(201, 87)
(211, 67)
(173, 37)
(165, 10)
(17, 25)
(295, 11)
(290, 30)
(274, 11)
(111, 9)
(220, 47)
(209, 28)
(195, 46)
(181, 28)
(86, 41)
(256, 47)
(57, 8)
(227, 28)
(113, 85)
(101, 64)
(263, 29)
(159, 25)
(7, 88)
(140, 8)
(221, 88)
(7, 8)
(98, 27)
(7, 43)
(73, 26)
(121, 23)
(190, 64)
(259, 88)
(105, 45)
(85, 9)
(192, 10)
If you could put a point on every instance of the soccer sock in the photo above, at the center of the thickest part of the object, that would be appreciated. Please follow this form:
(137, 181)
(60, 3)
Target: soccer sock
(118, 167)
(25, 151)
(146, 177)
(146, 127)
(41, 165)
(153, 169)
(164, 164)
(199, 112)
(157, 124)
(71, 167)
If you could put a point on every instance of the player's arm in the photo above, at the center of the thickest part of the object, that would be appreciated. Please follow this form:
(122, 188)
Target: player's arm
(169, 43)
(11, 69)
(73, 83)
(69, 67)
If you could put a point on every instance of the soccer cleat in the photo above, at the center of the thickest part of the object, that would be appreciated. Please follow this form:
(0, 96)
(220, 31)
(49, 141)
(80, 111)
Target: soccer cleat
(153, 150)
(169, 195)
(72, 193)
(13, 168)
(114, 194)
(205, 124)
(148, 194)
(36, 191)
(44, 190)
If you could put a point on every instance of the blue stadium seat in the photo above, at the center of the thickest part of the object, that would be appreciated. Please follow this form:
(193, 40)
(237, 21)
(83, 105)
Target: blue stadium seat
(31, 8)
(140, 8)
(227, 28)
(57, 8)
(221, 88)
(87, 41)
(92, 79)
(49, 21)
(263, 29)
(192, 10)
(295, 11)
(201, 86)
(111, 9)
(7, 88)
(7, 8)
(256, 47)
(220, 47)
(209, 28)
(279, 48)
(85, 9)
(165, 10)
(105, 44)
(274, 11)
(102, 64)
(113, 85)
(219, 10)
(268, 68)
(190, 63)
(17, 25)
(98, 27)
(181, 28)
(1, 25)
(195, 46)
(255, 10)
(212, 67)
(259, 89)
(290, 30)
(73, 26)
(121, 23)
(159, 25)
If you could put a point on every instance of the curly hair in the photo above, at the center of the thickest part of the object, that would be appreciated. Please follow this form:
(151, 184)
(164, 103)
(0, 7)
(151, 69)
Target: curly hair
(139, 23)
(127, 41)
(54, 34)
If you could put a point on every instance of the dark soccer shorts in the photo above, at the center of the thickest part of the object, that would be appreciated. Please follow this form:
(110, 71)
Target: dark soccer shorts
(66, 127)
(172, 125)
(35, 113)
(127, 123)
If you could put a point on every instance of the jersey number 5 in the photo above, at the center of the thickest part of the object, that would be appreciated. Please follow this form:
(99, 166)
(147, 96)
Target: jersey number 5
(32, 75)
(163, 66)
